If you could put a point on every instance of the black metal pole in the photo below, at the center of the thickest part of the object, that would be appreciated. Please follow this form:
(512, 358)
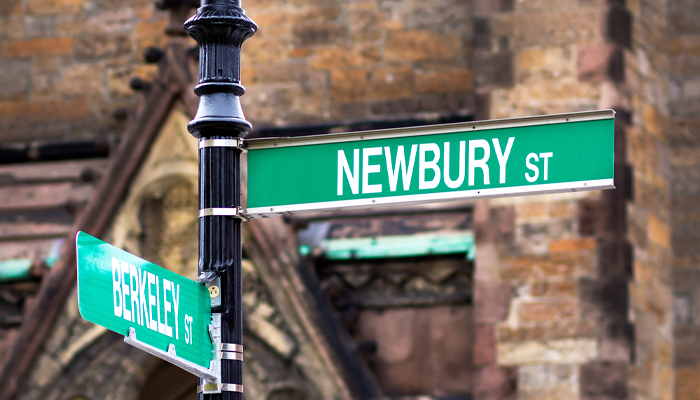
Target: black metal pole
(220, 27)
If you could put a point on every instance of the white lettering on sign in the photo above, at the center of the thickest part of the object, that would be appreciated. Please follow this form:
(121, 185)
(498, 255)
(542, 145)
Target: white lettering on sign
(125, 289)
(129, 285)
(134, 290)
(446, 166)
(532, 167)
(354, 177)
(431, 172)
(424, 165)
(480, 163)
(176, 304)
(153, 325)
(145, 319)
(188, 329)
(168, 308)
(545, 157)
(406, 172)
(161, 326)
(370, 169)
(535, 168)
(117, 288)
(503, 157)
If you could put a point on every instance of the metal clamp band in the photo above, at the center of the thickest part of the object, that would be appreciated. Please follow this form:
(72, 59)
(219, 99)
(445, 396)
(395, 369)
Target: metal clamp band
(236, 143)
(222, 387)
(235, 212)
(225, 355)
(229, 347)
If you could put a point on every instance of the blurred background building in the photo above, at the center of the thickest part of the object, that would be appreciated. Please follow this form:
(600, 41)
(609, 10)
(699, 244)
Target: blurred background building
(589, 296)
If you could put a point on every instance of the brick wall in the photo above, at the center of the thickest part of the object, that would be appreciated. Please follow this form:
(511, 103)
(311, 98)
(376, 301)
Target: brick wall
(664, 149)
(683, 47)
(555, 314)
(66, 65)
(662, 206)
(552, 271)
(313, 61)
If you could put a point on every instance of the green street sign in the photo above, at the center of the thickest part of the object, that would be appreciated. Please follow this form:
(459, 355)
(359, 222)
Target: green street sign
(158, 310)
(498, 158)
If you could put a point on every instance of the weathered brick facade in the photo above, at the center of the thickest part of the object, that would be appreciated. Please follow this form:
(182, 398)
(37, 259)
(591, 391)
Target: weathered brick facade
(66, 65)
(589, 296)
(552, 271)
(651, 293)
(662, 72)
(315, 61)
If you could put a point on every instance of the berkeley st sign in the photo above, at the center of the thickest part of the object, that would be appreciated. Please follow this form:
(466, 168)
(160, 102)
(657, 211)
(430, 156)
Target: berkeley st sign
(498, 158)
(151, 305)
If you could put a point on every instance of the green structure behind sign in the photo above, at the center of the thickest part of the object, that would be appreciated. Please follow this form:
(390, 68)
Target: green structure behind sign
(547, 154)
(136, 298)
(397, 246)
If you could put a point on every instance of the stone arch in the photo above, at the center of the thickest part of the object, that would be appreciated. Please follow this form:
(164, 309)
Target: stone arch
(167, 184)
(168, 226)
(104, 369)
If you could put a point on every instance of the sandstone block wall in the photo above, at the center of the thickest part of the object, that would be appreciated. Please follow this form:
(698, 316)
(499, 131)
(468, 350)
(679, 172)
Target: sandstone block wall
(651, 293)
(317, 61)
(662, 69)
(578, 296)
(682, 136)
(558, 328)
(66, 65)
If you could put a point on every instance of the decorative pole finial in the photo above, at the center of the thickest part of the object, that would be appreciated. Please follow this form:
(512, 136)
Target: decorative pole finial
(220, 27)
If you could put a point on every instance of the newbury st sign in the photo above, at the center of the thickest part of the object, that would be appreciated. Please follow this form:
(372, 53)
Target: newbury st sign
(548, 154)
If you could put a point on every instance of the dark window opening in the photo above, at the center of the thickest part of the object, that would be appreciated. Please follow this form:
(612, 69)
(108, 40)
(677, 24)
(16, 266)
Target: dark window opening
(400, 287)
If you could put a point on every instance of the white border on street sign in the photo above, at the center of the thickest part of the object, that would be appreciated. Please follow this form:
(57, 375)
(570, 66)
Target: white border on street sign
(267, 143)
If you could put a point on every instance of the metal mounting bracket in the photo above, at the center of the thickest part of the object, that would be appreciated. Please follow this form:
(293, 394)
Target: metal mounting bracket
(218, 388)
(211, 374)
(206, 277)
(225, 355)
(234, 212)
(238, 348)
(221, 351)
(210, 387)
(236, 143)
